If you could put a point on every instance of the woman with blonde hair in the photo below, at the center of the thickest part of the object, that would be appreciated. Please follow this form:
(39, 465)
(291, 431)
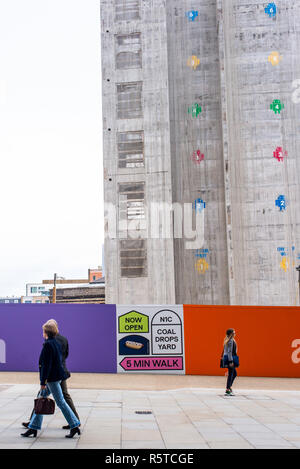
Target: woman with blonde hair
(51, 375)
(230, 359)
(65, 353)
(63, 342)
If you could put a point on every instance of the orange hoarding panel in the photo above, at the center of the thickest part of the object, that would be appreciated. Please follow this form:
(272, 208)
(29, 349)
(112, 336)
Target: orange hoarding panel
(268, 339)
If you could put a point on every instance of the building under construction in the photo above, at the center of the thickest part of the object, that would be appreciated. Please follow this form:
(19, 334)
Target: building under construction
(201, 106)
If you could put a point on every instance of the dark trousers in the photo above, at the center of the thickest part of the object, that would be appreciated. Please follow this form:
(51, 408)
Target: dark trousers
(67, 397)
(232, 374)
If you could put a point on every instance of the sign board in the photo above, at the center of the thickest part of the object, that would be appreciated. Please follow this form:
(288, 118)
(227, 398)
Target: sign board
(133, 321)
(165, 339)
(150, 339)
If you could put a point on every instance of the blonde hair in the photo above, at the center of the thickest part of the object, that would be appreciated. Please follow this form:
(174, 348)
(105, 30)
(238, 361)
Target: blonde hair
(50, 328)
(52, 321)
(229, 336)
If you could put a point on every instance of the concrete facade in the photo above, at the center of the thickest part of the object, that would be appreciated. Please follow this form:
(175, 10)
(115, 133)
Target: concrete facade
(200, 278)
(150, 260)
(201, 103)
(263, 242)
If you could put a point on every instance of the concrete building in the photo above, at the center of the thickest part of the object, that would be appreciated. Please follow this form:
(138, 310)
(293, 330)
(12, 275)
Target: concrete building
(201, 106)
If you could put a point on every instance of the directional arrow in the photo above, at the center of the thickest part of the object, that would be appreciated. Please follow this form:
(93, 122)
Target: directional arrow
(151, 363)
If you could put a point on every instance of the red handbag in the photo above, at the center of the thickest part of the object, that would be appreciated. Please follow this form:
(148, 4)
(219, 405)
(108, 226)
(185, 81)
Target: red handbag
(44, 406)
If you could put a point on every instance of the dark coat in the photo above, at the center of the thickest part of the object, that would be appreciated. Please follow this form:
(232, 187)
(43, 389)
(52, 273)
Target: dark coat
(50, 362)
(64, 351)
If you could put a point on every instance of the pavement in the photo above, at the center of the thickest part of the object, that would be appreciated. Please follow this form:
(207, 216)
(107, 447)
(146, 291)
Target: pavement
(158, 412)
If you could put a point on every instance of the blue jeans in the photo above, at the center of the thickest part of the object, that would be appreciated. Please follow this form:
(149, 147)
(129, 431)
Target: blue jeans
(55, 389)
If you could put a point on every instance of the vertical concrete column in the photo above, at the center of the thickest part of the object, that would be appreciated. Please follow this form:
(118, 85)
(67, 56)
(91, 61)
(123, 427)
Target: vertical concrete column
(196, 142)
(258, 66)
(155, 283)
(224, 76)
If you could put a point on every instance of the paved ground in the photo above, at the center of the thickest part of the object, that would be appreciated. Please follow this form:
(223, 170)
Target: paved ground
(192, 417)
(155, 382)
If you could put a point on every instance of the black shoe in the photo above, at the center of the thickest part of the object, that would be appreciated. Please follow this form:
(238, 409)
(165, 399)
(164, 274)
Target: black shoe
(67, 427)
(29, 433)
(73, 432)
(25, 424)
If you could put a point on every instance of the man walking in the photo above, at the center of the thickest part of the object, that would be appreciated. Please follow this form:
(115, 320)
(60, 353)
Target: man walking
(64, 344)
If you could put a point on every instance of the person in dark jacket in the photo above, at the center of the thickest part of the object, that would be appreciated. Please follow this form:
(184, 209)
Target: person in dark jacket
(65, 353)
(51, 375)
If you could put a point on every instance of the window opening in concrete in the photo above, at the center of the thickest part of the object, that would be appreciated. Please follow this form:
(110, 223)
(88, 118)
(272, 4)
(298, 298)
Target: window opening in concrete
(129, 100)
(133, 258)
(128, 51)
(131, 149)
(132, 201)
(127, 10)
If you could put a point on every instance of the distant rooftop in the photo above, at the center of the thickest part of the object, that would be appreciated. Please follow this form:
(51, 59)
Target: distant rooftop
(65, 281)
(99, 280)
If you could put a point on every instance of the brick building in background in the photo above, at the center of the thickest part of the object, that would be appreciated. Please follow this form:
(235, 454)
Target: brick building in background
(88, 290)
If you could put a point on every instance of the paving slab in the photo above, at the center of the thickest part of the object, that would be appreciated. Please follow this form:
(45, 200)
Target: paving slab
(181, 418)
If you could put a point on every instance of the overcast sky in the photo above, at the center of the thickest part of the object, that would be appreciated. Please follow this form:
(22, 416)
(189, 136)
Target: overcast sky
(51, 208)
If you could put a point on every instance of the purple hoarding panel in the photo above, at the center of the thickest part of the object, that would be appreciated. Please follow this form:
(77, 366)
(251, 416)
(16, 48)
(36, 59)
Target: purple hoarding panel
(90, 330)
